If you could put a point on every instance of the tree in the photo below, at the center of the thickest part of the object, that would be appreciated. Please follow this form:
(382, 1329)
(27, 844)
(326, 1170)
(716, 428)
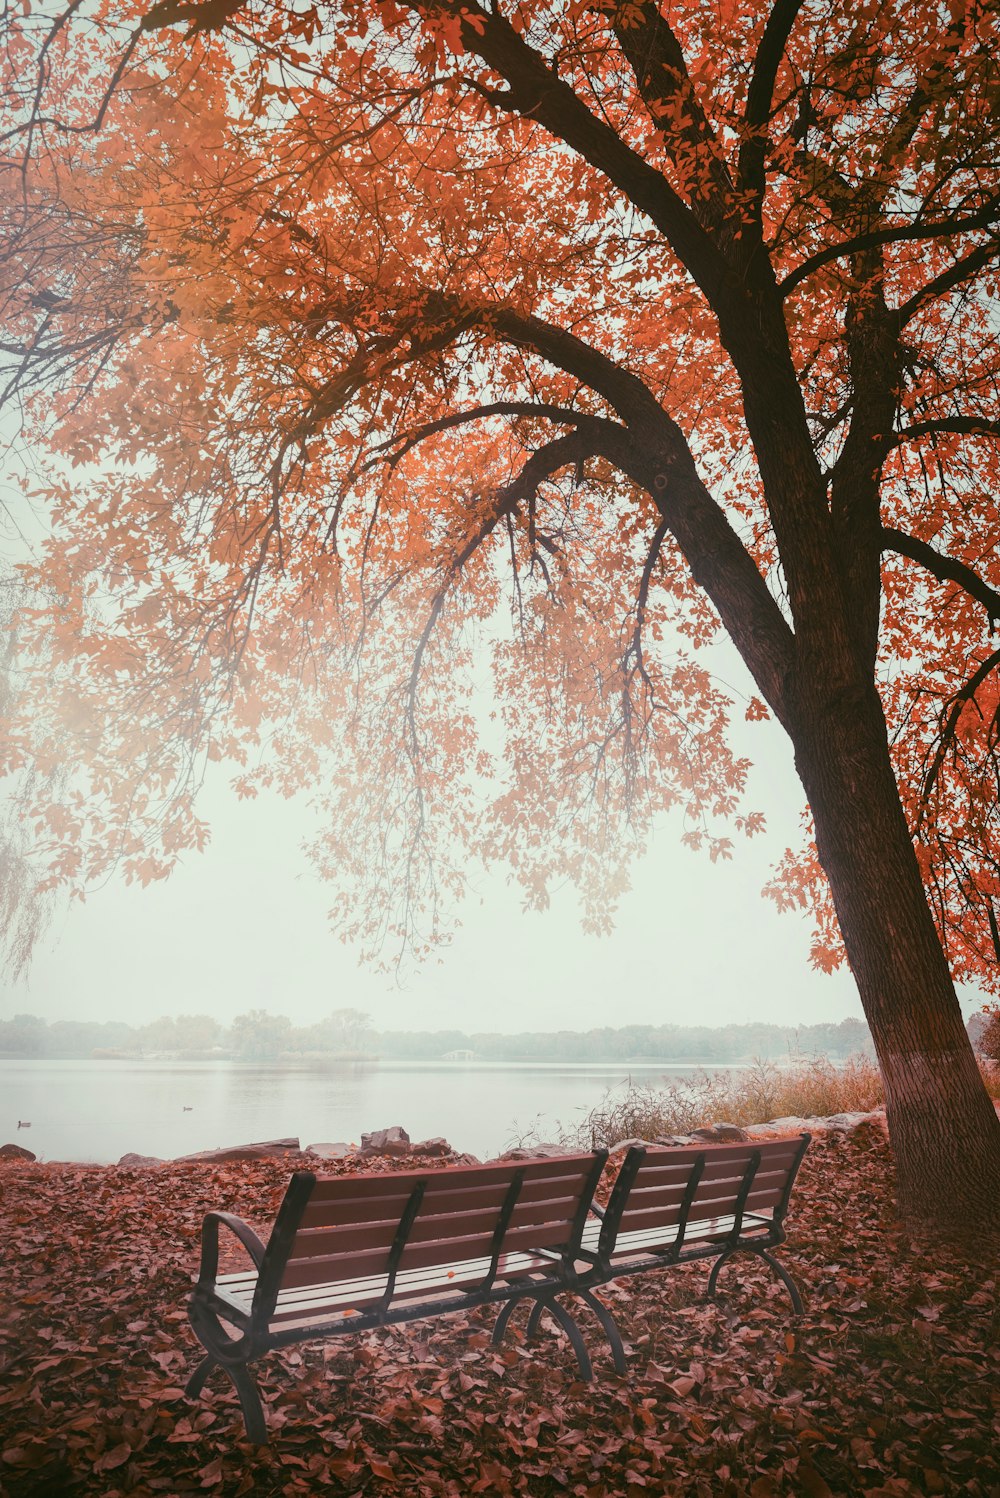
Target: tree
(988, 1042)
(260, 1036)
(646, 317)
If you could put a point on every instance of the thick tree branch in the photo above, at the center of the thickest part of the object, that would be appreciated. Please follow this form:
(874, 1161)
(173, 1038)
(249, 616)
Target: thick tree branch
(945, 569)
(982, 219)
(753, 151)
(537, 92)
(962, 270)
(404, 443)
(657, 62)
(968, 426)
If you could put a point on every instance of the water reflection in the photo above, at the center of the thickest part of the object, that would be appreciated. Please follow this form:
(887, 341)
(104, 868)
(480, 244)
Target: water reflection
(98, 1110)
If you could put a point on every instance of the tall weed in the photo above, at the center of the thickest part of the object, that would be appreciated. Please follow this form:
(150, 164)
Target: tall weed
(811, 1087)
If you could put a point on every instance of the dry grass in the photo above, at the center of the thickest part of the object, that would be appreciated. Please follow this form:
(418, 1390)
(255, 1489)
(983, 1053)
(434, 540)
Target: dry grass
(813, 1087)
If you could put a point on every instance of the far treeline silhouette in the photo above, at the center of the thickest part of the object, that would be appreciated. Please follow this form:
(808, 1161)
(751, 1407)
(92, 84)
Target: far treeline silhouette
(348, 1034)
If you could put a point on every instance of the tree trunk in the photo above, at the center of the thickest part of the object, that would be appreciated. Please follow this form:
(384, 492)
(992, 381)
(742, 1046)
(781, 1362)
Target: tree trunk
(944, 1129)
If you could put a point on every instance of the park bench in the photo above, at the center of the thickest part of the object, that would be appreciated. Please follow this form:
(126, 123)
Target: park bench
(348, 1253)
(674, 1205)
(357, 1251)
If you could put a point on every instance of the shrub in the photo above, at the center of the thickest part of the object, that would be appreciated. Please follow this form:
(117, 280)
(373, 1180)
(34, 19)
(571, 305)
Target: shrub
(753, 1094)
(988, 1044)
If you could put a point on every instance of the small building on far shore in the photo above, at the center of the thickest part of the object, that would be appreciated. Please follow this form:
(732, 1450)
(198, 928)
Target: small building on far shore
(459, 1056)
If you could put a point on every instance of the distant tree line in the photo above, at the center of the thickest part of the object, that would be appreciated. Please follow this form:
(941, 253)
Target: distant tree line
(694, 1043)
(347, 1034)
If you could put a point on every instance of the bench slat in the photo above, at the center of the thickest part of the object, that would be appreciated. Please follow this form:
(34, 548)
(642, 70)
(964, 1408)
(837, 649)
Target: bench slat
(318, 1299)
(333, 1267)
(488, 1197)
(571, 1168)
(356, 1236)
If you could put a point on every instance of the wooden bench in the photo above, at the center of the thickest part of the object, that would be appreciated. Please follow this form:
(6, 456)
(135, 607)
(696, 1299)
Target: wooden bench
(673, 1205)
(351, 1252)
(348, 1253)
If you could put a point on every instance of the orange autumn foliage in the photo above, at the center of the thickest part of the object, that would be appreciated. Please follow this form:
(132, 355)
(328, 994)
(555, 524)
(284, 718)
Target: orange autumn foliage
(387, 353)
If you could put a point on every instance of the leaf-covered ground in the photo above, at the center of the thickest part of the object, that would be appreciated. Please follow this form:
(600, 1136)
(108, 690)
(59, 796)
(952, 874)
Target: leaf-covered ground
(889, 1385)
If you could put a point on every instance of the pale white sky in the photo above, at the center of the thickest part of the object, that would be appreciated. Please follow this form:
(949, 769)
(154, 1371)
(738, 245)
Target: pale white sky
(244, 925)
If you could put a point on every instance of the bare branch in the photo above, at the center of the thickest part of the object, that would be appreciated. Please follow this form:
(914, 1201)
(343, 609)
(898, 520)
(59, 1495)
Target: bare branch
(945, 569)
(892, 234)
(962, 270)
(969, 426)
(951, 713)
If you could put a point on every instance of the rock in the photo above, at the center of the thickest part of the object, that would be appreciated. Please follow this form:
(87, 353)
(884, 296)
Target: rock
(720, 1133)
(433, 1147)
(394, 1142)
(331, 1151)
(536, 1152)
(463, 1159)
(139, 1160)
(870, 1130)
(627, 1144)
(844, 1123)
(15, 1152)
(267, 1150)
(672, 1140)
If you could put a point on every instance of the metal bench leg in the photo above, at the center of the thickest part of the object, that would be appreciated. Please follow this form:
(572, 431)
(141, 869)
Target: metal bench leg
(253, 1410)
(784, 1277)
(569, 1326)
(531, 1330)
(242, 1381)
(231, 1354)
(559, 1314)
(503, 1321)
(714, 1276)
(196, 1382)
(611, 1331)
(762, 1253)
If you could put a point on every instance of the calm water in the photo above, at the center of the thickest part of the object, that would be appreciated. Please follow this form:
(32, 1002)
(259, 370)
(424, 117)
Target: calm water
(99, 1110)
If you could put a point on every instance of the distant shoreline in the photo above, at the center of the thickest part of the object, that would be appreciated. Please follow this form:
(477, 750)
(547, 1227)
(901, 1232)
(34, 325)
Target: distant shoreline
(295, 1060)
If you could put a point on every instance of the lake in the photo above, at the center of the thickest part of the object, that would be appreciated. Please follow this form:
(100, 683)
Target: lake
(100, 1110)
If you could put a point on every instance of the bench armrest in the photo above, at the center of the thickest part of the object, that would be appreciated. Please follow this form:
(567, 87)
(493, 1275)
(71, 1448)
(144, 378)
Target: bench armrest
(210, 1243)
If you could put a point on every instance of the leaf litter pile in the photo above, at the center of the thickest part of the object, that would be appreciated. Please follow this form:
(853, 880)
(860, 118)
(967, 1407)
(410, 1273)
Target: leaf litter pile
(889, 1384)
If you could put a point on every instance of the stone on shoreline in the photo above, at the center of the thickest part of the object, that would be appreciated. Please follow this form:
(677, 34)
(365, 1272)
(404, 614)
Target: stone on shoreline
(435, 1146)
(394, 1141)
(536, 1152)
(720, 1133)
(331, 1151)
(15, 1152)
(139, 1160)
(266, 1150)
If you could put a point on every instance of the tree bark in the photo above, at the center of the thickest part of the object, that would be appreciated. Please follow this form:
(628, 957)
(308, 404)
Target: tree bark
(944, 1130)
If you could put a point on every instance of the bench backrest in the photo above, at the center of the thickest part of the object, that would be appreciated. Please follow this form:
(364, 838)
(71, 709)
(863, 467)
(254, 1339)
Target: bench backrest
(331, 1229)
(672, 1188)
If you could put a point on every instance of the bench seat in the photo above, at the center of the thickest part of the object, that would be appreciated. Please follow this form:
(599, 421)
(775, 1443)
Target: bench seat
(344, 1299)
(649, 1242)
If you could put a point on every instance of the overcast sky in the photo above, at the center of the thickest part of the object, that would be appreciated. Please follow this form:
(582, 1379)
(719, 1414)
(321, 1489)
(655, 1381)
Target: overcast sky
(244, 925)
